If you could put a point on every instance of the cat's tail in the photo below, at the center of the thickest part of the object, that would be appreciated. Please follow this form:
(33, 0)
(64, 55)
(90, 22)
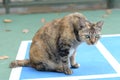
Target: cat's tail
(19, 63)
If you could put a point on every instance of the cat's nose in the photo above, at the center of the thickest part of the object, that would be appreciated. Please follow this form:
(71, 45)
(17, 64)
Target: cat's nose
(92, 41)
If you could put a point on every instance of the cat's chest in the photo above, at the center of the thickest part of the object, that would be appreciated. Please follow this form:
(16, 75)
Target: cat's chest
(73, 48)
(71, 51)
(75, 44)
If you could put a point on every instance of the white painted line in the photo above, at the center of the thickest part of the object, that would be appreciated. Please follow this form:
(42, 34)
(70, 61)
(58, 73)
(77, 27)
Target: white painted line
(80, 77)
(15, 73)
(111, 35)
(113, 62)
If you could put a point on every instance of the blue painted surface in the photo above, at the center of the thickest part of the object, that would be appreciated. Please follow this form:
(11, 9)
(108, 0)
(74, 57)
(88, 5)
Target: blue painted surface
(90, 59)
(112, 44)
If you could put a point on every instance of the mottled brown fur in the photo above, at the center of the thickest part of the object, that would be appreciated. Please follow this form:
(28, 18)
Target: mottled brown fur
(52, 45)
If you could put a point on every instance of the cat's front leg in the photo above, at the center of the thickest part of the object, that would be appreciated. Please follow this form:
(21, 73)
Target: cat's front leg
(73, 62)
(65, 64)
(64, 56)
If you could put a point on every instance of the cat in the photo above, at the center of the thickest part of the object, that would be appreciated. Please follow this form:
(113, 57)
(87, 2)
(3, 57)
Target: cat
(54, 45)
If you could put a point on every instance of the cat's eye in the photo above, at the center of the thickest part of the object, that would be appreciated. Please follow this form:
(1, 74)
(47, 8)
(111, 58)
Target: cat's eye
(87, 36)
(81, 26)
(97, 36)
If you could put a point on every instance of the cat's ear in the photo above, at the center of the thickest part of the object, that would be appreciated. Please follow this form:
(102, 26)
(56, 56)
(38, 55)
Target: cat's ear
(99, 24)
(88, 24)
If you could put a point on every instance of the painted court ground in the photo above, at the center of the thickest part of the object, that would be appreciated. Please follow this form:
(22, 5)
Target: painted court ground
(98, 62)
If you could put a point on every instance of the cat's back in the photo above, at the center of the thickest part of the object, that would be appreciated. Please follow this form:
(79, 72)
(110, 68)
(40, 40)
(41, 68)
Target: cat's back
(50, 31)
(61, 26)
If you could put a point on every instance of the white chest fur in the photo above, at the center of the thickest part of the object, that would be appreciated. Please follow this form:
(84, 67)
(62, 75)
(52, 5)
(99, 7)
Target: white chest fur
(71, 51)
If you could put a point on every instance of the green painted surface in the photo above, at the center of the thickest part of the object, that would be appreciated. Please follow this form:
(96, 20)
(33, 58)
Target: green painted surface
(10, 41)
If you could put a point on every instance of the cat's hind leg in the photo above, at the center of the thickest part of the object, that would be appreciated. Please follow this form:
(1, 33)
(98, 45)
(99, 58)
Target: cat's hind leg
(40, 66)
(48, 66)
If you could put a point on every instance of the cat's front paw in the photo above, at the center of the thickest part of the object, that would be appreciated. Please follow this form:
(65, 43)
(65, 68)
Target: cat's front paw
(59, 69)
(68, 71)
(75, 65)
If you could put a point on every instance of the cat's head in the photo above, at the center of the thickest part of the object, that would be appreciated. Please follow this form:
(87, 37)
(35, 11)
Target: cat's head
(84, 29)
(90, 32)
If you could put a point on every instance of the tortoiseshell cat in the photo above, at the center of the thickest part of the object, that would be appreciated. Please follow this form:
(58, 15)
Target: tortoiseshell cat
(52, 45)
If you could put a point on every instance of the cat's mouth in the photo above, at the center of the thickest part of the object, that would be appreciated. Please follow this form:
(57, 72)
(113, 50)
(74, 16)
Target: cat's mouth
(91, 43)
